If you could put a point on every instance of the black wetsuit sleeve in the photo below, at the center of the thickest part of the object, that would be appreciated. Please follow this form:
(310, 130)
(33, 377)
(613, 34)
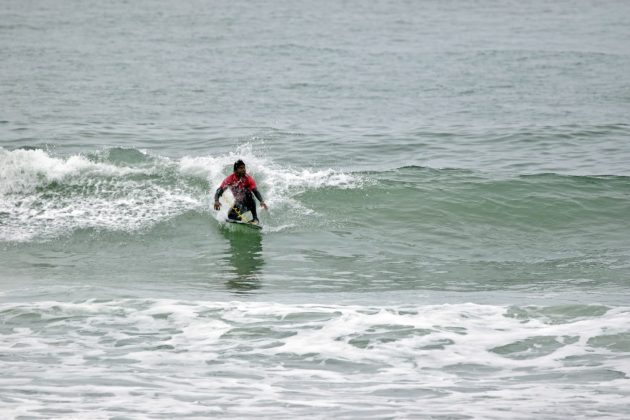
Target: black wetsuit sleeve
(218, 193)
(257, 194)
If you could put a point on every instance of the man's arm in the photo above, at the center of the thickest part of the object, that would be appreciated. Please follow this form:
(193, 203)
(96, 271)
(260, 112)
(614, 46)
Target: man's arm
(259, 197)
(217, 195)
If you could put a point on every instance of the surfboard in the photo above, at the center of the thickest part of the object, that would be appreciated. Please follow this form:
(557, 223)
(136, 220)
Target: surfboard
(245, 224)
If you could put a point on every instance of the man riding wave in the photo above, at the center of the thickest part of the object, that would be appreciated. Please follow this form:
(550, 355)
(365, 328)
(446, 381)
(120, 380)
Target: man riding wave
(243, 187)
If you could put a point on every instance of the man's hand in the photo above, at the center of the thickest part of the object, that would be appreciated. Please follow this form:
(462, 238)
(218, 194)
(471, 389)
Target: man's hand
(264, 205)
(217, 205)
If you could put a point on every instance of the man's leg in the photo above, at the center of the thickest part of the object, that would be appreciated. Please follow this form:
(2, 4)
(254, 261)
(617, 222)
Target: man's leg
(232, 214)
(251, 205)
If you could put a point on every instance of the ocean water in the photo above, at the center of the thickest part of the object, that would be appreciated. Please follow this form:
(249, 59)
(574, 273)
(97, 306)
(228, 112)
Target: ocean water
(449, 226)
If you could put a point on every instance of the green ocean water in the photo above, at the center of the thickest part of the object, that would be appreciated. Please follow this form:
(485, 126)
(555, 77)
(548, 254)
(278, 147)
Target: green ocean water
(448, 232)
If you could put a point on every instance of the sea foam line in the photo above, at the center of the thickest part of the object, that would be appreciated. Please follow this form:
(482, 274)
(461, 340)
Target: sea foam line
(242, 358)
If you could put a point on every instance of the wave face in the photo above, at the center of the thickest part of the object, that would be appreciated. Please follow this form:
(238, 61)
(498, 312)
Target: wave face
(43, 196)
(485, 206)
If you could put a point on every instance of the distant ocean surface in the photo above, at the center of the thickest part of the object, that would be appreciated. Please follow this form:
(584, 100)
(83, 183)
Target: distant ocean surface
(449, 226)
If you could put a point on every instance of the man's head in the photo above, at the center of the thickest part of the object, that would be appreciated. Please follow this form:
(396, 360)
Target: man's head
(239, 168)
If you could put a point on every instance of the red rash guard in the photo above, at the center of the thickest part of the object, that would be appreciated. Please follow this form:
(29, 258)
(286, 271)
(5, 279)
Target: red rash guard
(238, 186)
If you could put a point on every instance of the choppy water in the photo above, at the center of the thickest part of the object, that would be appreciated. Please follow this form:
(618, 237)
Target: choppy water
(448, 234)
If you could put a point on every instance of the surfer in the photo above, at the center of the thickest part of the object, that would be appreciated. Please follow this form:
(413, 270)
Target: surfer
(243, 187)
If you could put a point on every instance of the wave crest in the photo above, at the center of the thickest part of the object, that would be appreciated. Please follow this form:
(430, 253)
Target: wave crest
(44, 196)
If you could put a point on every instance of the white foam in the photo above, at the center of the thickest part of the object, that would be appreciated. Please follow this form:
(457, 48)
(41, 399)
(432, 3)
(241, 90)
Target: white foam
(276, 180)
(88, 195)
(279, 185)
(43, 196)
(25, 170)
(261, 359)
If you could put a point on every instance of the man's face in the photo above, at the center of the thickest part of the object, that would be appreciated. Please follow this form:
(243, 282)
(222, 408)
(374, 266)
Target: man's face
(240, 171)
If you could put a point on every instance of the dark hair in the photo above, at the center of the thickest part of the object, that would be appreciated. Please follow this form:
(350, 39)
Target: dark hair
(238, 164)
